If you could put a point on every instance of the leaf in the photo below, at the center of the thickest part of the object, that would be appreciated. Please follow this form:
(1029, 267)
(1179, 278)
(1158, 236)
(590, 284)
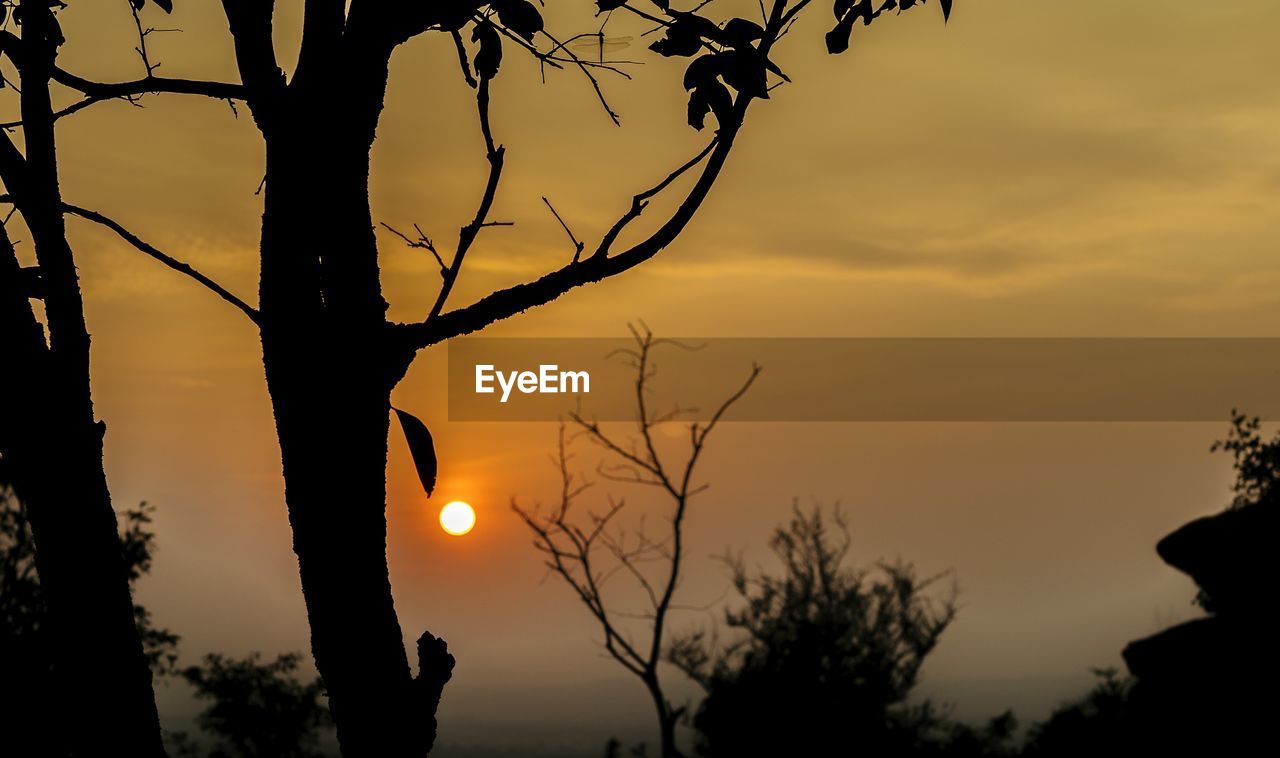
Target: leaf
(679, 41)
(946, 10)
(608, 5)
(684, 35)
(489, 56)
(520, 16)
(703, 70)
(421, 447)
(164, 5)
(838, 38)
(745, 72)
(739, 32)
(709, 97)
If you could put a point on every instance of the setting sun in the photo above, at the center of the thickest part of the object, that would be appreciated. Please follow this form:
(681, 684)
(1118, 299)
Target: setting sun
(457, 518)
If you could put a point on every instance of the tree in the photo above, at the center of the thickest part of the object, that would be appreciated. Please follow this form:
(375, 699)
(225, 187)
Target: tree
(29, 717)
(50, 439)
(331, 356)
(822, 655)
(259, 710)
(586, 551)
(1100, 723)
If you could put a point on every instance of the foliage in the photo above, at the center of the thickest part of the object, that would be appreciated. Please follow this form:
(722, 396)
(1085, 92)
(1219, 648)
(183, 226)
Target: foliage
(1100, 723)
(257, 709)
(21, 605)
(1256, 461)
(822, 651)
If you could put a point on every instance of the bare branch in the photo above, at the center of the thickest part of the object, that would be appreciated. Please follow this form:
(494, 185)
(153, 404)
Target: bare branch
(467, 235)
(171, 262)
(508, 302)
(577, 246)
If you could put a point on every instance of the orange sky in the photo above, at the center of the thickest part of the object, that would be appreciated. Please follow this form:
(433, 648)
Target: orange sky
(1033, 169)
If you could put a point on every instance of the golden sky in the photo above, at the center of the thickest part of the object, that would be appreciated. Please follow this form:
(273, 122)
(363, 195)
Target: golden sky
(1032, 169)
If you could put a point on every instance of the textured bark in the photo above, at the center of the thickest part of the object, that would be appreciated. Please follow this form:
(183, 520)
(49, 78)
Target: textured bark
(53, 446)
(330, 380)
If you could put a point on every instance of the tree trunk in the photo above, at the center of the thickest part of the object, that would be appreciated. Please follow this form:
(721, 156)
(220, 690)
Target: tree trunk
(330, 381)
(54, 447)
(667, 719)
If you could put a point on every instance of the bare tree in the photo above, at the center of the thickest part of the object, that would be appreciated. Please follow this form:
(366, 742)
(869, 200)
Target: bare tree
(588, 549)
(332, 357)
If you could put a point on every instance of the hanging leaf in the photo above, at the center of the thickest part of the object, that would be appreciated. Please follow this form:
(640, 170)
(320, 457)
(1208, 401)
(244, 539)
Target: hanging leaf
(421, 448)
(946, 10)
(165, 5)
(703, 70)
(709, 97)
(489, 57)
(838, 38)
(608, 5)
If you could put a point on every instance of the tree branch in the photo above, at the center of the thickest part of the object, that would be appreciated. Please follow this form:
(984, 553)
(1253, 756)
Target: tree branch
(250, 23)
(467, 235)
(149, 84)
(171, 262)
(521, 297)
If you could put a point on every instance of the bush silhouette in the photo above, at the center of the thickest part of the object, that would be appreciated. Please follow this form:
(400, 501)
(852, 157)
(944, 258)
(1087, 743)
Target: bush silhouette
(259, 710)
(823, 655)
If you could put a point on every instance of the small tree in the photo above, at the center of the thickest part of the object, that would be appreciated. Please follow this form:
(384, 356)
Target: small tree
(259, 710)
(1100, 723)
(823, 653)
(587, 550)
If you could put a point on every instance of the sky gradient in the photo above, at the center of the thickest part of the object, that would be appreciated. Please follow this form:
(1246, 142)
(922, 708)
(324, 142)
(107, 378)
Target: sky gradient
(1032, 169)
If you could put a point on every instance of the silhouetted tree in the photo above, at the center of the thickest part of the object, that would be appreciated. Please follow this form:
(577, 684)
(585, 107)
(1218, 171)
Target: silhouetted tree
(1101, 723)
(32, 717)
(822, 657)
(1198, 683)
(332, 357)
(587, 549)
(257, 709)
(48, 432)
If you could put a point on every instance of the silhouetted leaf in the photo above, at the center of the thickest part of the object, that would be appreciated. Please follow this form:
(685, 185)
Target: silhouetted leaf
(607, 5)
(745, 72)
(946, 10)
(838, 38)
(421, 447)
(520, 16)
(709, 97)
(677, 43)
(165, 5)
(684, 36)
(489, 56)
(703, 70)
(739, 32)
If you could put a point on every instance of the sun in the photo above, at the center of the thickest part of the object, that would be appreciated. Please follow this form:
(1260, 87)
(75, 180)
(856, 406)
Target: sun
(457, 518)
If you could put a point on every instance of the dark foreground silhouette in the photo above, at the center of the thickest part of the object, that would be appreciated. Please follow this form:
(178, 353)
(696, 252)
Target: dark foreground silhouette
(826, 666)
